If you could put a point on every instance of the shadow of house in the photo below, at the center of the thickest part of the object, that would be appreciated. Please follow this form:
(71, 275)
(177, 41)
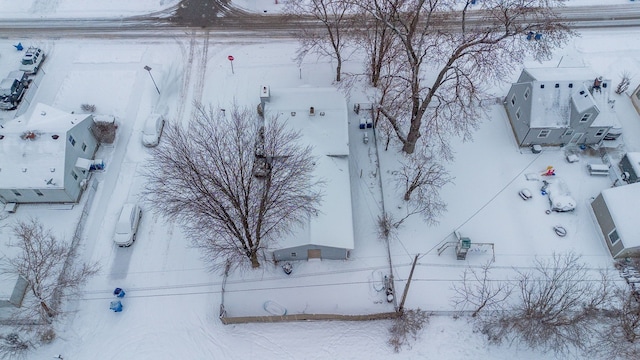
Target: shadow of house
(39, 156)
(615, 212)
(320, 116)
(560, 106)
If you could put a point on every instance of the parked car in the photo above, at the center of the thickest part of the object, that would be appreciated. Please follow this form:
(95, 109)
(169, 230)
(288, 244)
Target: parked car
(12, 89)
(152, 130)
(32, 60)
(127, 224)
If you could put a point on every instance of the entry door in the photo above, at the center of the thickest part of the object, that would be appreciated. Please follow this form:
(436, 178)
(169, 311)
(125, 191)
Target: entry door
(576, 137)
(313, 253)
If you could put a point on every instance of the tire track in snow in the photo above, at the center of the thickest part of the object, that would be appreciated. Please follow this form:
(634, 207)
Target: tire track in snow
(201, 73)
(186, 77)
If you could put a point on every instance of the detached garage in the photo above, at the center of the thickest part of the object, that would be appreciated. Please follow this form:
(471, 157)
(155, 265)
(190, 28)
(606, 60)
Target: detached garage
(615, 211)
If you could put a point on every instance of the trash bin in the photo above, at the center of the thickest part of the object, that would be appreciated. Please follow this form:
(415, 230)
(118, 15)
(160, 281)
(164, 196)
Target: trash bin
(116, 306)
(118, 292)
(536, 149)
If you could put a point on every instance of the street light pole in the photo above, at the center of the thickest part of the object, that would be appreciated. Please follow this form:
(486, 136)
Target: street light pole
(146, 67)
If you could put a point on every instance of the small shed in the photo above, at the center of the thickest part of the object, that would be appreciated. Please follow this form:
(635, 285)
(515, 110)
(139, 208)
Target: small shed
(630, 164)
(615, 211)
(13, 290)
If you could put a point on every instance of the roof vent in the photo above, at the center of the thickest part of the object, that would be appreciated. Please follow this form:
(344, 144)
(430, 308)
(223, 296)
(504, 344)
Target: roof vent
(582, 92)
(55, 137)
(293, 113)
(52, 169)
(321, 113)
(43, 113)
(24, 169)
(1, 137)
(312, 111)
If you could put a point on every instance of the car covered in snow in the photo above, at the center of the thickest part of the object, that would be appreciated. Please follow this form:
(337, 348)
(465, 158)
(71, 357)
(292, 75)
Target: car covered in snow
(560, 197)
(32, 60)
(127, 225)
(152, 130)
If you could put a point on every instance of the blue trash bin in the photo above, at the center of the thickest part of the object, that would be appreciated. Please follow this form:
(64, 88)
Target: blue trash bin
(116, 306)
(118, 292)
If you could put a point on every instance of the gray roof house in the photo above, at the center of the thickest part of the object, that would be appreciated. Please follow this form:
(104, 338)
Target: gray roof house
(320, 115)
(615, 211)
(560, 106)
(44, 157)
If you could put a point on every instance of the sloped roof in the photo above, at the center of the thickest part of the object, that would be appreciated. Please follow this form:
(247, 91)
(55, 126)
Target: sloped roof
(622, 202)
(553, 90)
(32, 149)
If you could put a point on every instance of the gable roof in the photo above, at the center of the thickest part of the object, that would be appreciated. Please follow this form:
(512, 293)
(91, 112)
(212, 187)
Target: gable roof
(554, 89)
(32, 149)
(622, 202)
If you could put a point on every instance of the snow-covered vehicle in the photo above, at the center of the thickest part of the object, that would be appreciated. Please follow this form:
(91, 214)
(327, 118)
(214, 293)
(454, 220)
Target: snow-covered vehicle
(32, 60)
(12, 90)
(560, 197)
(127, 225)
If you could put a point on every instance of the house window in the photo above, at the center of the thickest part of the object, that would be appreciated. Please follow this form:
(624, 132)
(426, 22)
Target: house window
(570, 86)
(84, 147)
(557, 86)
(526, 94)
(600, 132)
(16, 193)
(75, 176)
(541, 86)
(294, 254)
(613, 237)
(604, 85)
(585, 117)
(569, 132)
(38, 192)
(518, 114)
(513, 99)
(72, 140)
(544, 133)
(638, 95)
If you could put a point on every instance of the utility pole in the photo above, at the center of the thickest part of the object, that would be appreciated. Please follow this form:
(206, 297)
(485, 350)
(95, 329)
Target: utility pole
(406, 288)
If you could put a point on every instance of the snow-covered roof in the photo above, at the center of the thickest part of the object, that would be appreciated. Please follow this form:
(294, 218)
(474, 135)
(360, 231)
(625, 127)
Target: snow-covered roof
(634, 159)
(553, 90)
(327, 131)
(622, 202)
(333, 225)
(32, 149)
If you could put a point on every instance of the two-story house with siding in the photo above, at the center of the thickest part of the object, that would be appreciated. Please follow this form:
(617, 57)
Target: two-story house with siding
(43, 156)
(560, 106)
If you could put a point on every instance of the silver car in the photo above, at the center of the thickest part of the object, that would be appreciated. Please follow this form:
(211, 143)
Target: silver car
(152, 130)
(127, 224)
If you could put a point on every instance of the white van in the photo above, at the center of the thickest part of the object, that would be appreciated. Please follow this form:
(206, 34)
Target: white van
(127, 225)
(152, 131)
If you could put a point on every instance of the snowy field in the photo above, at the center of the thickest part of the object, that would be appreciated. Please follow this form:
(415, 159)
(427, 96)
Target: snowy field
(172, 302)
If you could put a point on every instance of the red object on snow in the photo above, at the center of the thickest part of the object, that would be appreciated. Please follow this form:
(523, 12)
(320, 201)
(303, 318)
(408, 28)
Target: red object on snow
(230, 58)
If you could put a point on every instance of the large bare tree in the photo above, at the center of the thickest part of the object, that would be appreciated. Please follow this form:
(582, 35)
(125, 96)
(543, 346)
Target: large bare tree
(331, 41)
(451, 53)
(45, 263)
(234, 181)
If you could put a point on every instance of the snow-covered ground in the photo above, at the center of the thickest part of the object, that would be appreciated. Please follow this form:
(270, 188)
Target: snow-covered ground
(172, 301)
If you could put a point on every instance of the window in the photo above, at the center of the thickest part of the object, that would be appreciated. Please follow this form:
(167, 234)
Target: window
(294, 254)
(518, 114)
(84, 147)
(613, 237)
(541, 86)
(570, 86)
(38, 192)
(557, 86)
(526, 94)
(75, 176)
(604, 85)
(513, 99)
(72, 140)
(600, 132)
(585, 117)
(569, 132)
(16, 193)
(544, 133)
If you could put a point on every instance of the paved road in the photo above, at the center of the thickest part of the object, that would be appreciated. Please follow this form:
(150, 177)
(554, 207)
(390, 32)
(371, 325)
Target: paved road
(219, 17)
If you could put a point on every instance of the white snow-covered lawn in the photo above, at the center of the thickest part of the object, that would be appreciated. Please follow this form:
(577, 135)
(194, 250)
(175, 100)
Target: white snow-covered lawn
(172, 302)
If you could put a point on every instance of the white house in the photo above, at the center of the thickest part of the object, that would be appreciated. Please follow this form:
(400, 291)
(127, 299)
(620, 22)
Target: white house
(320, 115)
(43, 157)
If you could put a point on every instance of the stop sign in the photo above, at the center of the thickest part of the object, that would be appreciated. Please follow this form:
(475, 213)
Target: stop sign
(230, 58)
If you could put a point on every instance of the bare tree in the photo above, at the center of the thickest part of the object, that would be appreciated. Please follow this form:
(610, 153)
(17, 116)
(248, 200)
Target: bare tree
(624, 83)
(619, 337)
(14, 346)
(336, 23)
(478, 291)
(234, 181)
(44, 261)
(406, 328)
(420, 177)
(450, 54)
(556, 308)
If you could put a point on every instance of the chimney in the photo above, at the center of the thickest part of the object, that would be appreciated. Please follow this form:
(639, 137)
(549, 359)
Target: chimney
(265, 95)
(312, 111)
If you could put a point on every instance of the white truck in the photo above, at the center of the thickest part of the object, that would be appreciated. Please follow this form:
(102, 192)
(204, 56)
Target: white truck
(32, 60)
